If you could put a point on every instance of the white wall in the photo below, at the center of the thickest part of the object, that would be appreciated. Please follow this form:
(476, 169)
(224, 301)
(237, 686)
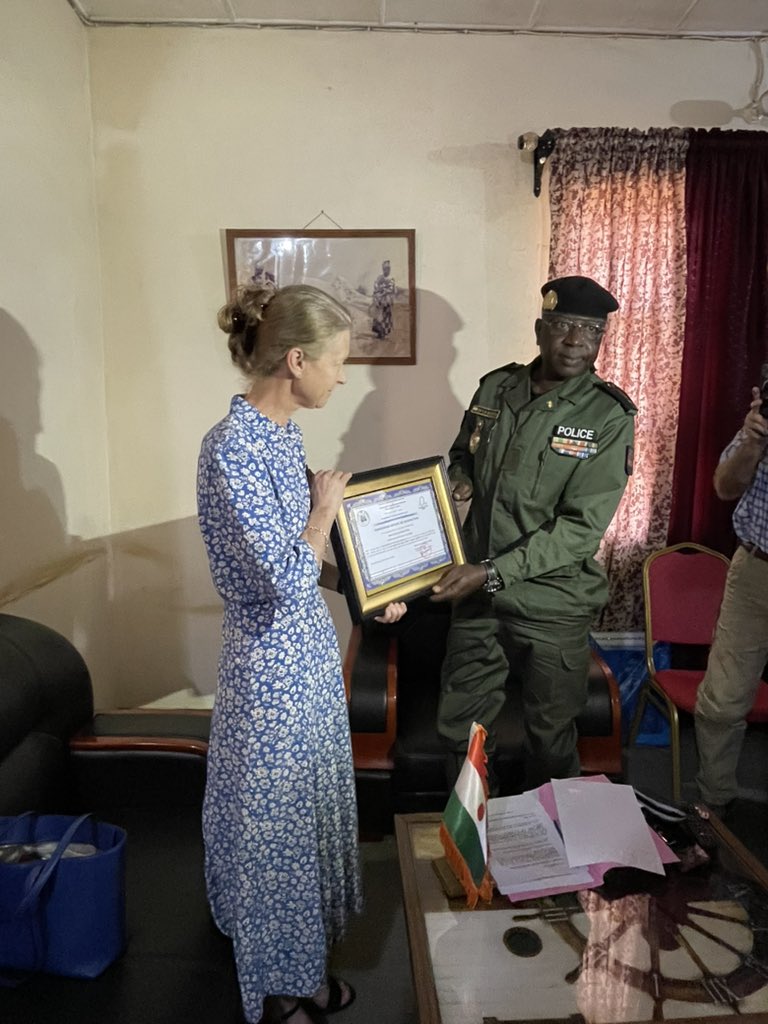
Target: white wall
(199, 130)
(54, 510)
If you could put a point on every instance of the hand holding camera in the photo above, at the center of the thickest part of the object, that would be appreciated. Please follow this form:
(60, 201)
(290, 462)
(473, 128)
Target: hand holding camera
(755, 427)
(764, 392)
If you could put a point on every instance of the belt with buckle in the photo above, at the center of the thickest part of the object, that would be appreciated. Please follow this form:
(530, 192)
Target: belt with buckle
(756, 552)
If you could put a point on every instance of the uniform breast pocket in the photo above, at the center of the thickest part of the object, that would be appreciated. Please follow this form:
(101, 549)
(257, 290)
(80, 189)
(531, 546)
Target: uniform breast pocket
(513, 459)
(553, 471)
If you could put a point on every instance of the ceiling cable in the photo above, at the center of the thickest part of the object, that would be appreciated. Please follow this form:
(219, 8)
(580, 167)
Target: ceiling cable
(382, 25)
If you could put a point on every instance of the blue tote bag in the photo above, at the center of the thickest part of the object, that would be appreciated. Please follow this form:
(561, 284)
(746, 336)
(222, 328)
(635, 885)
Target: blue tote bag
(62, 895)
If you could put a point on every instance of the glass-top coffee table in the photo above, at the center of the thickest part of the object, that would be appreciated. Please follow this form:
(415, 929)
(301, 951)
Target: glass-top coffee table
(694, 947)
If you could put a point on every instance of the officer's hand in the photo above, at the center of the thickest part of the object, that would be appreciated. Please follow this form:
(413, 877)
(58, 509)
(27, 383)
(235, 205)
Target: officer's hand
(459, 581)
(755, 425)
(462, 491)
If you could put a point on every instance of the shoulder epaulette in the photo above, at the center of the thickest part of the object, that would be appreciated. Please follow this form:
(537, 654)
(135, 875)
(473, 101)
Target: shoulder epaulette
(618, 395)
(502, 369)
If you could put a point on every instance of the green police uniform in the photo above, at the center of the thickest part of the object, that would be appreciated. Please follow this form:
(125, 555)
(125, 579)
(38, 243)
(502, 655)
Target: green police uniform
(547, 472)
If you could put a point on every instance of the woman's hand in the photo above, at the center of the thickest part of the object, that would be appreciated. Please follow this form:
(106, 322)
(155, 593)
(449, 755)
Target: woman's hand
(394, 611)
(326, 489)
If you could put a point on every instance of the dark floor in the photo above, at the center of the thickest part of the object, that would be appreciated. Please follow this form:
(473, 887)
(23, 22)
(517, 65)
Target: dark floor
(649, 770)
(374, 957)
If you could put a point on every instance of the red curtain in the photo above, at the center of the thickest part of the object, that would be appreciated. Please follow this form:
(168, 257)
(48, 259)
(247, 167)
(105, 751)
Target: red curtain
(726, 322)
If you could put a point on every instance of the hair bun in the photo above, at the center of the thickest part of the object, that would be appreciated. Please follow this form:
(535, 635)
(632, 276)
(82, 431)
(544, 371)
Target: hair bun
(260, 299)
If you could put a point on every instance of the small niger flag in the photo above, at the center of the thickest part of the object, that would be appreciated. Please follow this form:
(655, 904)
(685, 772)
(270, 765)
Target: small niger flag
(463, 827)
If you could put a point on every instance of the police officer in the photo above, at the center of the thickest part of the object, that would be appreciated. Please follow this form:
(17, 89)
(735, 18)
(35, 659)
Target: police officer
(544, 453)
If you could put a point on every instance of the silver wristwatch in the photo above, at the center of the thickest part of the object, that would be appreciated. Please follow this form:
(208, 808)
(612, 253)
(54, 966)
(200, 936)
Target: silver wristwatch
(493, 580)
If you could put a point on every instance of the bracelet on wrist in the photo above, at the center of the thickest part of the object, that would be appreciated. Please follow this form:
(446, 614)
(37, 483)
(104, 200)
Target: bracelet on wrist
(323, 534)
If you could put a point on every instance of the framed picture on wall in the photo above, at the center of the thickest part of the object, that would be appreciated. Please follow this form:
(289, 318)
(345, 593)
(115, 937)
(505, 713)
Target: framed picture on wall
(371, 272)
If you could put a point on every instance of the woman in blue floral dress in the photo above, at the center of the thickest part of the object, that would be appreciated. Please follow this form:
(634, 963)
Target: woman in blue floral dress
(279, 817)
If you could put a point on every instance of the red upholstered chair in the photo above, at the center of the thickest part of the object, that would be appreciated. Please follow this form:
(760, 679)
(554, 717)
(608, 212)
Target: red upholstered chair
(682, 590)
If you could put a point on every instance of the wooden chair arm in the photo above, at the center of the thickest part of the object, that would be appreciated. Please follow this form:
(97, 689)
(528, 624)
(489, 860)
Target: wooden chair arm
(151, 730)
(145, 744)
(602, 754)
(370, 680)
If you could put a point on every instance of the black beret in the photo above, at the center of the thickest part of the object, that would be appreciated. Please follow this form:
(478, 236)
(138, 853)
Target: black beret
(579, 296)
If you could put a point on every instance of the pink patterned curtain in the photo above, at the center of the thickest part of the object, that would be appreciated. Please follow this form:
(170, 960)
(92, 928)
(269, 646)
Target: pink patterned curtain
(617, 202)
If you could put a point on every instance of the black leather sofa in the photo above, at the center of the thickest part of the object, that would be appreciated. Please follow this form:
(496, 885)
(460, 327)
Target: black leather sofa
(146, 773)
(392, 675)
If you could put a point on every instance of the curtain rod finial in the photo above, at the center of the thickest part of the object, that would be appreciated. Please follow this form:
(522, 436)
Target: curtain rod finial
(541, 154)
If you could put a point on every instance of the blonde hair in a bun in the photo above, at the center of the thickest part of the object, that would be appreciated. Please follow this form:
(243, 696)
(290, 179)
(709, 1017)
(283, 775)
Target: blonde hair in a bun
(263, 324)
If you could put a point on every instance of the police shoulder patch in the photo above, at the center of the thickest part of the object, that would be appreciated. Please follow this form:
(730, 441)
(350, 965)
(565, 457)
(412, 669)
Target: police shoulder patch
(502, 369)
(616, 393)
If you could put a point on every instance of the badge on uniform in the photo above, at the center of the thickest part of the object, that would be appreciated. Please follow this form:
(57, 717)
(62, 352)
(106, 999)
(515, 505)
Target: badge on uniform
(577, 442)
(483, 417)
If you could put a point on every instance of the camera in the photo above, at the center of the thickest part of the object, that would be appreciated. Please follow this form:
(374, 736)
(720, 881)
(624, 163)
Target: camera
(764, 391)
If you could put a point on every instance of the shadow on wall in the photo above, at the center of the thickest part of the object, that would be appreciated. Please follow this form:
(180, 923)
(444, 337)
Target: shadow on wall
(32, 512)
(154, 628)
(37, 556)
(46, 574)
(411, 413)
(166, 612)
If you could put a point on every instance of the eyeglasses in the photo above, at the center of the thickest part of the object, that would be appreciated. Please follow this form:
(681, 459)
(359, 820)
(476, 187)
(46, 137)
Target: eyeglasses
(560, 326)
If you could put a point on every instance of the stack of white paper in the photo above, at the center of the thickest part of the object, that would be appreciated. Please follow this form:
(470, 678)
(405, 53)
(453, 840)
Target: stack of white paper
(558, 838)
(525, 846)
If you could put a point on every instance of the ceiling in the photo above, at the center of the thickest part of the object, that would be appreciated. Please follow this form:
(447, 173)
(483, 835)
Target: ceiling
(719, 19)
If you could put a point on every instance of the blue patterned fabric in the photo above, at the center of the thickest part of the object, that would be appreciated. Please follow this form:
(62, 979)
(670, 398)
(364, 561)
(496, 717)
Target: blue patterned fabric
(750, 517)
(279, 817)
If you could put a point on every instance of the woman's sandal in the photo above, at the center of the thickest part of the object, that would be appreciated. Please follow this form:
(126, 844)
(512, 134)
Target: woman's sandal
(312, 1010)
(289, 1013)
(335, 995)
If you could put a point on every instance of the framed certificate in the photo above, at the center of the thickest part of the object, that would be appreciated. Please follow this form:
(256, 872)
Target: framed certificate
(395, 535)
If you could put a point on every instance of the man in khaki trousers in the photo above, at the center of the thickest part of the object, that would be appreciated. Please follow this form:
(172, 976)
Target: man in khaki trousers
(740, 647)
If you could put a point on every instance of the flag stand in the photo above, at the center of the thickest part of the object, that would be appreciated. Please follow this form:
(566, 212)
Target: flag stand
(450, 884)
(463, 824)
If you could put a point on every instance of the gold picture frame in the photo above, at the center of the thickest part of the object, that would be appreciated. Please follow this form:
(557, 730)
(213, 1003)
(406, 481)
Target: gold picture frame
(371, 272)
(395, 535)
